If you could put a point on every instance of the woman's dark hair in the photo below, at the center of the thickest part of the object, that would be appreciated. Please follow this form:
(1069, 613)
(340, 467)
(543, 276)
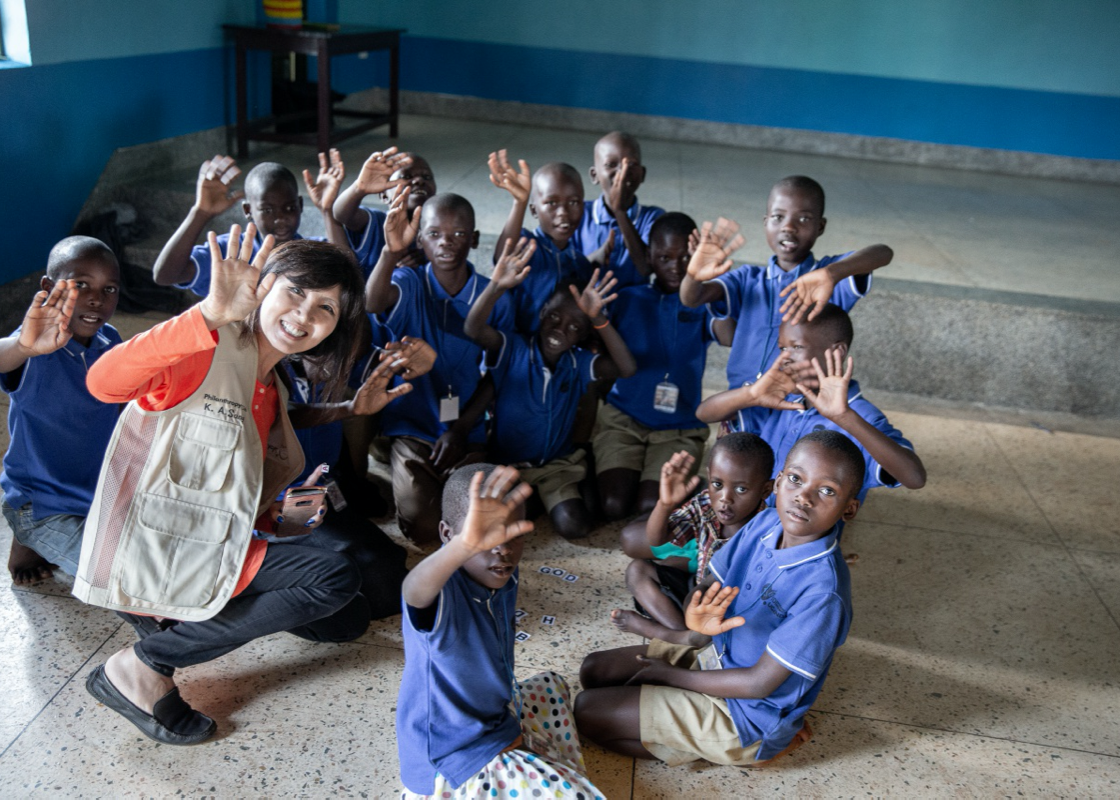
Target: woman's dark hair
(321, 265)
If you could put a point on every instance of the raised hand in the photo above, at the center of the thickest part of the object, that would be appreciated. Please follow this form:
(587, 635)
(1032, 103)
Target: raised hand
(212, 195)
(513, 266)
(236, 288)
(711, 256)
(491, 502)
(831, 397)
(400, 230)
(602, 256)
(410, 357)
(595, 295)
(620, 194)
(706, 614)
(771, 389)
(504, 176)
(324, 189)
(46, 325)
(676, 484)
(809, 294)
(376, 174)
(375, 393)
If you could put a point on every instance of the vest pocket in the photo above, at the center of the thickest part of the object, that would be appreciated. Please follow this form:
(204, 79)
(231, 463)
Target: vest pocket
(175, 551)
(203, 452)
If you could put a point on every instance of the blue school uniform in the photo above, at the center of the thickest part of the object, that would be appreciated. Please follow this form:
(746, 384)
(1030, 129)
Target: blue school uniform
(368, 244)
(425, 310)
(536, 407)
(797, 604)
(670, 342)
(453, 715)
(595, 227)
(59, 431)
(200, 256)
(752, 296)
(548, 268)
(782, 429)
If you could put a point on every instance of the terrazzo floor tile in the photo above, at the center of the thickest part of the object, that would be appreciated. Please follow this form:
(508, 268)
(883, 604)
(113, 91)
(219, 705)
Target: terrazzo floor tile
(1102, 570)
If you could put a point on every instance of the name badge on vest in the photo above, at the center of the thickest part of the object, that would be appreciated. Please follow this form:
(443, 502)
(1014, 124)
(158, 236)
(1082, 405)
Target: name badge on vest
(708, 657)
(665, 397)
(449, 408)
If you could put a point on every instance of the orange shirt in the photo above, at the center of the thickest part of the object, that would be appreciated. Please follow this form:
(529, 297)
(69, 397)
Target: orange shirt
(161, 368)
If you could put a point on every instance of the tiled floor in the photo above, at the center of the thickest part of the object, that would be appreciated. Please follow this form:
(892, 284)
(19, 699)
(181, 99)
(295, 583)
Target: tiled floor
(983, 656)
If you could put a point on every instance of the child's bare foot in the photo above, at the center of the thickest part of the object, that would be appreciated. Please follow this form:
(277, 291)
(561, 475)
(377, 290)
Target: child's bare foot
(27, 566)
(633, 622)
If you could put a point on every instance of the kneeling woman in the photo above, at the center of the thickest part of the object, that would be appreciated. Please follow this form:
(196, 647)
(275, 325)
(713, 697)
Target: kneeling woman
(197, 460)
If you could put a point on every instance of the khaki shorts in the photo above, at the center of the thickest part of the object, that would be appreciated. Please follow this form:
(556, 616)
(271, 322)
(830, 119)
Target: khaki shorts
(558, 480)
(679, 726)
(621, 442)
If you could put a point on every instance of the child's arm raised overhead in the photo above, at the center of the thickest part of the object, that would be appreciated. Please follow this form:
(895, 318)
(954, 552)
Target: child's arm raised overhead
(711, 257)
(400, 232)
(676, 486)
(373, 179)
(520, 185)
(211, 198)
(45, 328)
(769, 391)
(619, 361)
(509, 273)
(323, 191)
(810, 293)
(486, 526)
(620, 196)
(831, 400)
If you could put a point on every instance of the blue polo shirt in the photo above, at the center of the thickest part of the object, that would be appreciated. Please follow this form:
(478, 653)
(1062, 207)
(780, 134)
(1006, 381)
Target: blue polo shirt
(797, 604)
(782, 429)
(200, 255)
(368, 244)
(322, 444)
(597, 224)
(453, 711)
(548, 268)
(752, 296)
(536, 407)
(670, 342)
(425, 310)
(59, 431)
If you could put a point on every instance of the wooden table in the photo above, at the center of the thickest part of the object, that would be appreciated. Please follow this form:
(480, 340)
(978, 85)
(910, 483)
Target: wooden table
(323, 45)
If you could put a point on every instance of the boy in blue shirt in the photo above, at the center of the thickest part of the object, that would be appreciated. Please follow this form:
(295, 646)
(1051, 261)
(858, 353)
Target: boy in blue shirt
(615, 228)
(539, 381)
(554, 196)
(652, 415)
(50, 471)
(440, 426)
(765, 632)
(810, 388)
(271, 201)
(794, 284)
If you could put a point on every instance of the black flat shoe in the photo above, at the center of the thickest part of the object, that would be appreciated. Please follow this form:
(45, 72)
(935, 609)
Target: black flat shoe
(172, 721)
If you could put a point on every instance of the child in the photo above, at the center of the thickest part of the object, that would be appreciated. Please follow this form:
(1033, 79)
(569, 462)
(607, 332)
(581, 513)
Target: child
(615, 227)
(198, 457)
(465, 726)
(383, 174)
(271, 202)
(652, 415)
(682, 536)
(742, 699)
(59, 431)
(554, 196)
(829, 399)
(440, 426)
(752, 296)
(539, 381)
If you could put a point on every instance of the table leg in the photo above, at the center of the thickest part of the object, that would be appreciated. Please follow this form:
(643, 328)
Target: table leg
(394, 88)
(324, 96)
(242, 104)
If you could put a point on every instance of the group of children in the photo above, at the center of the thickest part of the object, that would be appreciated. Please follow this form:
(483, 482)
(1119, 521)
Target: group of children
(738, 580)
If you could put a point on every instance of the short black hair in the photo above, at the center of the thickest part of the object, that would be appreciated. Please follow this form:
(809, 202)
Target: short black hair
(448, 201)
(457, 496)
(674, 222)
(627, 140)
(559, 168)
(266, 174)
(749, 447)
(75, 248)
(833, 323)
(805, 185)
(843, 447)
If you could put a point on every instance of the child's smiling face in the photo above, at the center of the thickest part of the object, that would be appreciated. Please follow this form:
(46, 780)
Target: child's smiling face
(793, 222)
(418, 177)
(557, 203)
(276, 211)
(609, 152)
(563, 326)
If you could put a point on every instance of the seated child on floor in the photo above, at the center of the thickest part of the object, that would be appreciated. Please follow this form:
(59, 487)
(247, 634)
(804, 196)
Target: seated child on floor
(681, 534)
(554, 196)
(59, 431)
(751, 297)
(440, 426)
(270, 201)
(540, 379)
(810, 388)
(777, 610)
(615, 227)
(466, 727)
(384, 174)
(648, 417)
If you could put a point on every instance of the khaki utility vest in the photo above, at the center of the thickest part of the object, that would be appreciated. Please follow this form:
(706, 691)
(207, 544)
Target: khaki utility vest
(179, 492)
